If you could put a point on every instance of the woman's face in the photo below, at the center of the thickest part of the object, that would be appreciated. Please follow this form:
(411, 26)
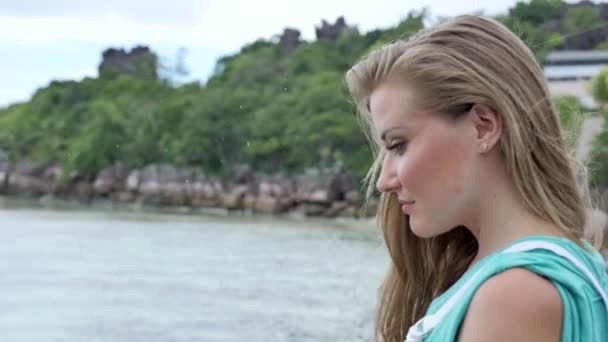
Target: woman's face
(430, 163)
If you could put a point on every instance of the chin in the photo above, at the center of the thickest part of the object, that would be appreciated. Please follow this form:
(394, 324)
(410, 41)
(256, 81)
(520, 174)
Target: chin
(423, 229)
(420, 229)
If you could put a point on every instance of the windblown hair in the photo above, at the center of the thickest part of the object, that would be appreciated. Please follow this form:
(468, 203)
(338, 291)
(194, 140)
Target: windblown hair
(466, 60)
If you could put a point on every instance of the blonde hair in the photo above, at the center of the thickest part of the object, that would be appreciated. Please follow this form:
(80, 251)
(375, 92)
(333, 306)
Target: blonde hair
(468, 59)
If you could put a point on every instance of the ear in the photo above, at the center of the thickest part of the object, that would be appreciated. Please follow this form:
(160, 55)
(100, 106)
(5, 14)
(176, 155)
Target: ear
(488, 126)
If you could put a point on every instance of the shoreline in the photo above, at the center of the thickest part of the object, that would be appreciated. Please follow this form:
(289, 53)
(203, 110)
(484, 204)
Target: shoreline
(327, 193)
(104, 205)
(364, 228)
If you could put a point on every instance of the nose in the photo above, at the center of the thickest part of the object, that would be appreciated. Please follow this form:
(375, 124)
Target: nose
(387, 180)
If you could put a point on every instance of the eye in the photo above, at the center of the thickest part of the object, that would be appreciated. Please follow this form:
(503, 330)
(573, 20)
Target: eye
(398, 147)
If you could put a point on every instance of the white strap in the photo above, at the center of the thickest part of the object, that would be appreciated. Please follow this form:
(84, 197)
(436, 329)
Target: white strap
(424, 326)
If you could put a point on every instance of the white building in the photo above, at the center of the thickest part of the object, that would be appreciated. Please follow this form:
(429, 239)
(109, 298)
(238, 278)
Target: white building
(571, 72)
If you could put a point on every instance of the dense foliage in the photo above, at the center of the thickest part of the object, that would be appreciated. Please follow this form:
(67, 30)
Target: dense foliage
(275, 111)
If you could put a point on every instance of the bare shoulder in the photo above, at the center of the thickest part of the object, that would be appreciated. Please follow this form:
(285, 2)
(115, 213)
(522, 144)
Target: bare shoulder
(516, 305)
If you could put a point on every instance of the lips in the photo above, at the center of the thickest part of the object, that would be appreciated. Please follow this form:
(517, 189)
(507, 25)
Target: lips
(406, 206)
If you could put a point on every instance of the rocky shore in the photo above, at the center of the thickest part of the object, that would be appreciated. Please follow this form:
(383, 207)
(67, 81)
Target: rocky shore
(319, 193)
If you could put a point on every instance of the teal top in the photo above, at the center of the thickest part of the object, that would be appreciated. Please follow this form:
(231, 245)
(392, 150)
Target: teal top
(578, 274)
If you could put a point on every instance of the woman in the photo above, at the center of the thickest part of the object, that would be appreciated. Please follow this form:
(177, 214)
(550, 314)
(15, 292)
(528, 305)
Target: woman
(480, 208)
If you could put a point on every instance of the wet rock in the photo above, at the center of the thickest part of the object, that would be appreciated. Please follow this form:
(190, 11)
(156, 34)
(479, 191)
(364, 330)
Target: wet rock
(272, 205)
(123, 196)
(140, 62)
(289, 41)
(206, 193)
(276, 186)
(5, 170)
(311, 209)
(350, 211)
(83, 191)
(249, 202)
(133, 181)
(26, 178)
(234, 198)
(352, 197)
(243, 174)
(111, 179)
(323, 186)
(336, 209)
(329, 31)
(318, 192)
(370, 208)
(164, 184)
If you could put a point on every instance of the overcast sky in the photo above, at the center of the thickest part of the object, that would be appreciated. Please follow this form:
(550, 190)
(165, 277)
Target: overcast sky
(63, 39)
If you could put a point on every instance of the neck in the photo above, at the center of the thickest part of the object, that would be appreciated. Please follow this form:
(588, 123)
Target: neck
(502, 217)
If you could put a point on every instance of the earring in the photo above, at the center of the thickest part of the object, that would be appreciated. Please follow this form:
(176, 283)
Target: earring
(483, 147)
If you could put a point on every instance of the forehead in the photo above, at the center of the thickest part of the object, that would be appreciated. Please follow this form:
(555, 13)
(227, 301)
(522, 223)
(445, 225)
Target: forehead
(392, 104)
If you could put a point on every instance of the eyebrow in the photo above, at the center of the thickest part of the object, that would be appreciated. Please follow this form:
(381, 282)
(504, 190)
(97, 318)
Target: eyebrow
(384, 134)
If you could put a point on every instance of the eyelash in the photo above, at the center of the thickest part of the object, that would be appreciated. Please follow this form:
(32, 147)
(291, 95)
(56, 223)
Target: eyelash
(399, 147)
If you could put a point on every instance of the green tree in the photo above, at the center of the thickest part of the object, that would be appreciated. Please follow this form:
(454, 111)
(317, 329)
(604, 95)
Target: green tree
(599, 89)
(580, 19)
(536, 12)
(571, 114)
(99, 144)
(600, 145)
(599, 162)
(412, 23)
(602, 46)
(275, 112)
(541, 42)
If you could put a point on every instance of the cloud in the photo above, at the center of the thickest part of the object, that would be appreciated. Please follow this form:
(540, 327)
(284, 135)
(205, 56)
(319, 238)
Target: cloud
(235, 22)
(107, 29)
(225, 24)
(143, 11)
(62, 39)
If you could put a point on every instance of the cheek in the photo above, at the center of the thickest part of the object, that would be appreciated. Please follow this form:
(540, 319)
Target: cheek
(436, 169)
